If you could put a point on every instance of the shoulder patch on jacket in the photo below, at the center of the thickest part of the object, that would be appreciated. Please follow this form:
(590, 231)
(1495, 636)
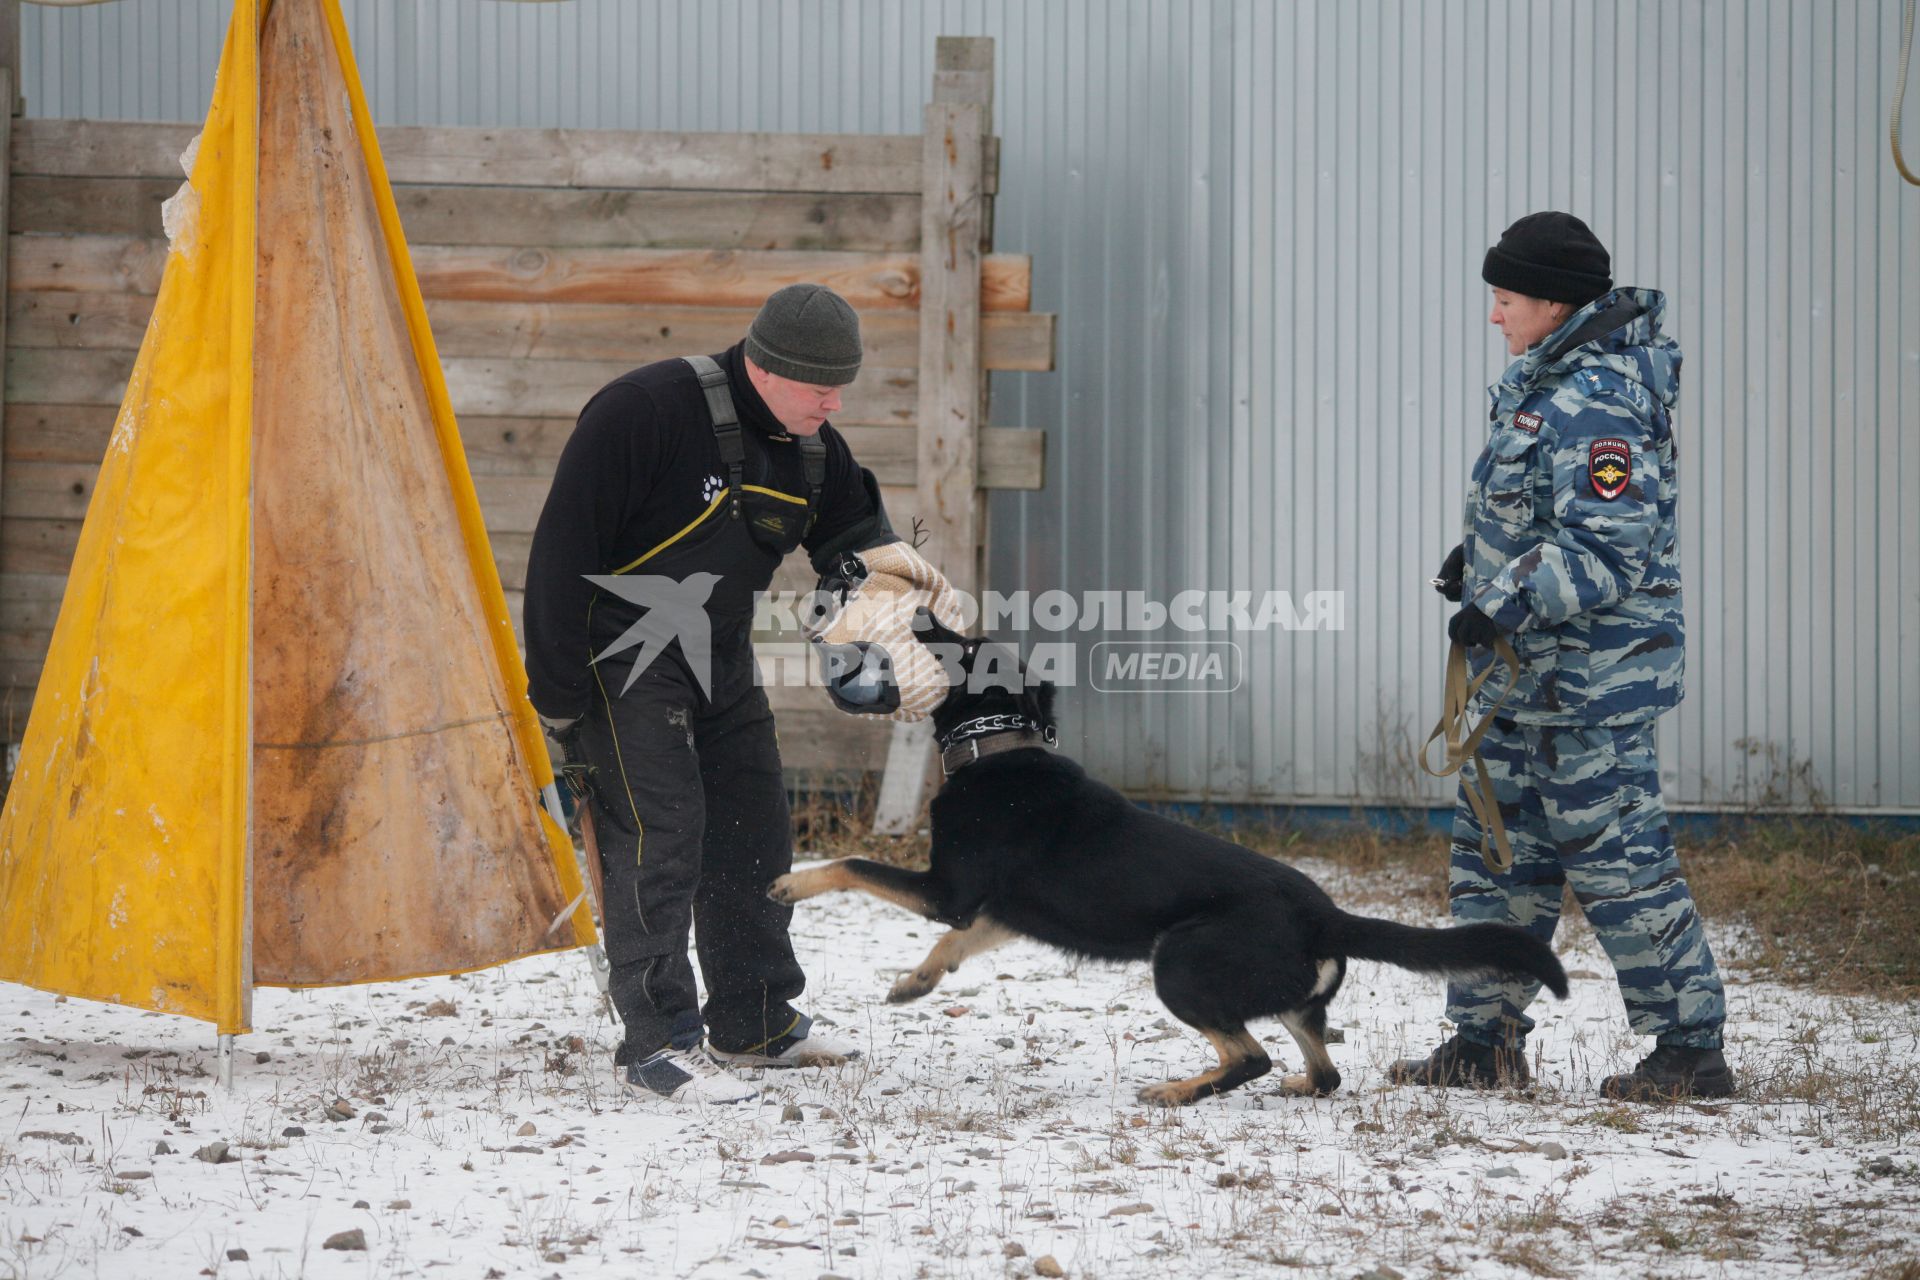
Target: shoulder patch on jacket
(1610, 466)
(1528, 422)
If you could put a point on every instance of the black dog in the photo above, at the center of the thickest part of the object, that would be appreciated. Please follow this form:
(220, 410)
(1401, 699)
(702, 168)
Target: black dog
(1025, 844)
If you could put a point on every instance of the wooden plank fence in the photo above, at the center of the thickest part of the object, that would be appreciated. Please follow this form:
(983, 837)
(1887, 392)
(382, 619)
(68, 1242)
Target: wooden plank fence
(551, 260)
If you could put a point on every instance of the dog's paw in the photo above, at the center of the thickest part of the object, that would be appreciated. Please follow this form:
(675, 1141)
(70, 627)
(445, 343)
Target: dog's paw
(909, 987)
(798, 886)
(1174, 1093)
(1303, 1086)
(789, 888)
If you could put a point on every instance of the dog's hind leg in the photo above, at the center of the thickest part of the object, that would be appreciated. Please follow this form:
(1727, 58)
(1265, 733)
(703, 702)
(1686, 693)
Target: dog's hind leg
(1241, 1059)
(947, 955)
(1309, 1028)
(1197, 967)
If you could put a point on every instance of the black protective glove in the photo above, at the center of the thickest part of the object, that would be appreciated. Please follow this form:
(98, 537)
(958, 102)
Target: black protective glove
(1451, 579)
(1471, 627)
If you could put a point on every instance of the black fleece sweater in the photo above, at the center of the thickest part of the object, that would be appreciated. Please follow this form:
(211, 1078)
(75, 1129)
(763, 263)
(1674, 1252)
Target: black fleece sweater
(642, 464)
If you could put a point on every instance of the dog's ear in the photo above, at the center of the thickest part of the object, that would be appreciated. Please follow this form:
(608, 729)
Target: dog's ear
(948, 648)
(1037, 702)
(929, 630)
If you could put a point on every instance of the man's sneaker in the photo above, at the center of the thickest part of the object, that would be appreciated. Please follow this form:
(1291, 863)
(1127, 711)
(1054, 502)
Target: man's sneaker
(685, 1075)
(1460, 1061)
(799, 1046)
(1672, 1072)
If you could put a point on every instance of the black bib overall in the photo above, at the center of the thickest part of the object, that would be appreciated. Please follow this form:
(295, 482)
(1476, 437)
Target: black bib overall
(689, 806)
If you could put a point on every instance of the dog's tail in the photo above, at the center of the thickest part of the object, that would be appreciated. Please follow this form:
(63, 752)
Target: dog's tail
(1459, 951)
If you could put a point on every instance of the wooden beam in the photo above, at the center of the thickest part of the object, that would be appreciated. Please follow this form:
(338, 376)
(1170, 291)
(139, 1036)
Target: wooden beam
(510, 557)
(809, 221)
(58, 432)
(509, 388)
(514, 417)
(668, 277)
(1012, 340)
(86, 264)
(949, 409)
(964, 73)
(952, 385)
(59, 319)
(820, 740)
(557, 388)
(37, 546)
(615, 158)
(630, 332)
(689, 278)
(538, 216)
(53, 451)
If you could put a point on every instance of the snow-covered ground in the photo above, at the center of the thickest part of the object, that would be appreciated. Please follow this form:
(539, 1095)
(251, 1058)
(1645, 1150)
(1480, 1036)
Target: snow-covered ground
(473, 1124)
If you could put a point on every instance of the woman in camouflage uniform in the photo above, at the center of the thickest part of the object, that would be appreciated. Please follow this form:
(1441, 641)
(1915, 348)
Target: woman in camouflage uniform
(1570, 553)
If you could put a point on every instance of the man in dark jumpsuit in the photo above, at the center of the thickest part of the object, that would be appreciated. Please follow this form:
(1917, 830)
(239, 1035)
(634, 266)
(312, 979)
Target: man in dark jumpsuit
(664, 524)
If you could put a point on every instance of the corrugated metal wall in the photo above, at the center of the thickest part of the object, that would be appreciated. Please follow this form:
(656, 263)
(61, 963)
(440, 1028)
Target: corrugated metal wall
(1261, 225)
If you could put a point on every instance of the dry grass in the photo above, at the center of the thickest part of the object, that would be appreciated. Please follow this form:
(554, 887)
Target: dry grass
(839, 824)
(1830, 903)
(1827, 903)
(1907, 1269)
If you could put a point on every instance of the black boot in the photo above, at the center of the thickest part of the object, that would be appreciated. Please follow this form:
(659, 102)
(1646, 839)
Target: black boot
(1672, 1072)
(1460, 1061)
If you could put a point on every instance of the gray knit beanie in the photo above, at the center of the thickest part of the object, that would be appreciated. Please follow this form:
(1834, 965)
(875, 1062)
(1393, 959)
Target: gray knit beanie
(807, 332)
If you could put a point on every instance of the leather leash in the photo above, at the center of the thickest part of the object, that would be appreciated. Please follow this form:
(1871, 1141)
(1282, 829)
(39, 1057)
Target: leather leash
(1463, 745)
(592, 842)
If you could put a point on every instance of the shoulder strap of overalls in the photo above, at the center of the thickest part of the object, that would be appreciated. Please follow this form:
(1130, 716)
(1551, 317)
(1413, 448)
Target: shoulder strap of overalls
(726, 423)
(813, 457)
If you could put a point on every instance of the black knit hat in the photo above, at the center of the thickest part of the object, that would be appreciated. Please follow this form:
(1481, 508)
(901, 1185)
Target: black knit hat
(807, 332)
(1550, 255)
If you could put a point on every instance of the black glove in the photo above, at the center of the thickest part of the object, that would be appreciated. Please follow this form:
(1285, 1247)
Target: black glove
(1452, 576)
(1471, 627)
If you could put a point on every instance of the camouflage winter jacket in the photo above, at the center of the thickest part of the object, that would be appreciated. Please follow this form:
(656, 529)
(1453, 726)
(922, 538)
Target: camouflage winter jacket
(1570, 537)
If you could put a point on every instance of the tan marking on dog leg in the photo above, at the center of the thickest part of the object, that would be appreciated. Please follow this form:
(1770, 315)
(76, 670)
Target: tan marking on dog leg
(844, 873)
(888, 893)
(947, 955)
(1241, 1059)
(798, 886)
(1322, 1076)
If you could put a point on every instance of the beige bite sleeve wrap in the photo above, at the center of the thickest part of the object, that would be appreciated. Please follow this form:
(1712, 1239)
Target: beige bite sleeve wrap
(880, 612)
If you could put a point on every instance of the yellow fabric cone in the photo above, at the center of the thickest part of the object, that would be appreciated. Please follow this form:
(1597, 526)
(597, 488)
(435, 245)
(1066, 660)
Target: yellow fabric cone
(282, 735)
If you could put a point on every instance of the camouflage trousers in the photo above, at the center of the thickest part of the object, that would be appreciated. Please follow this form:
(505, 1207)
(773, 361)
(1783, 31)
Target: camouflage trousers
(1582, 807)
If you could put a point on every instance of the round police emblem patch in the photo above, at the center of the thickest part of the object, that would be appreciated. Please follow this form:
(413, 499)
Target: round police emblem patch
(1610, 466)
